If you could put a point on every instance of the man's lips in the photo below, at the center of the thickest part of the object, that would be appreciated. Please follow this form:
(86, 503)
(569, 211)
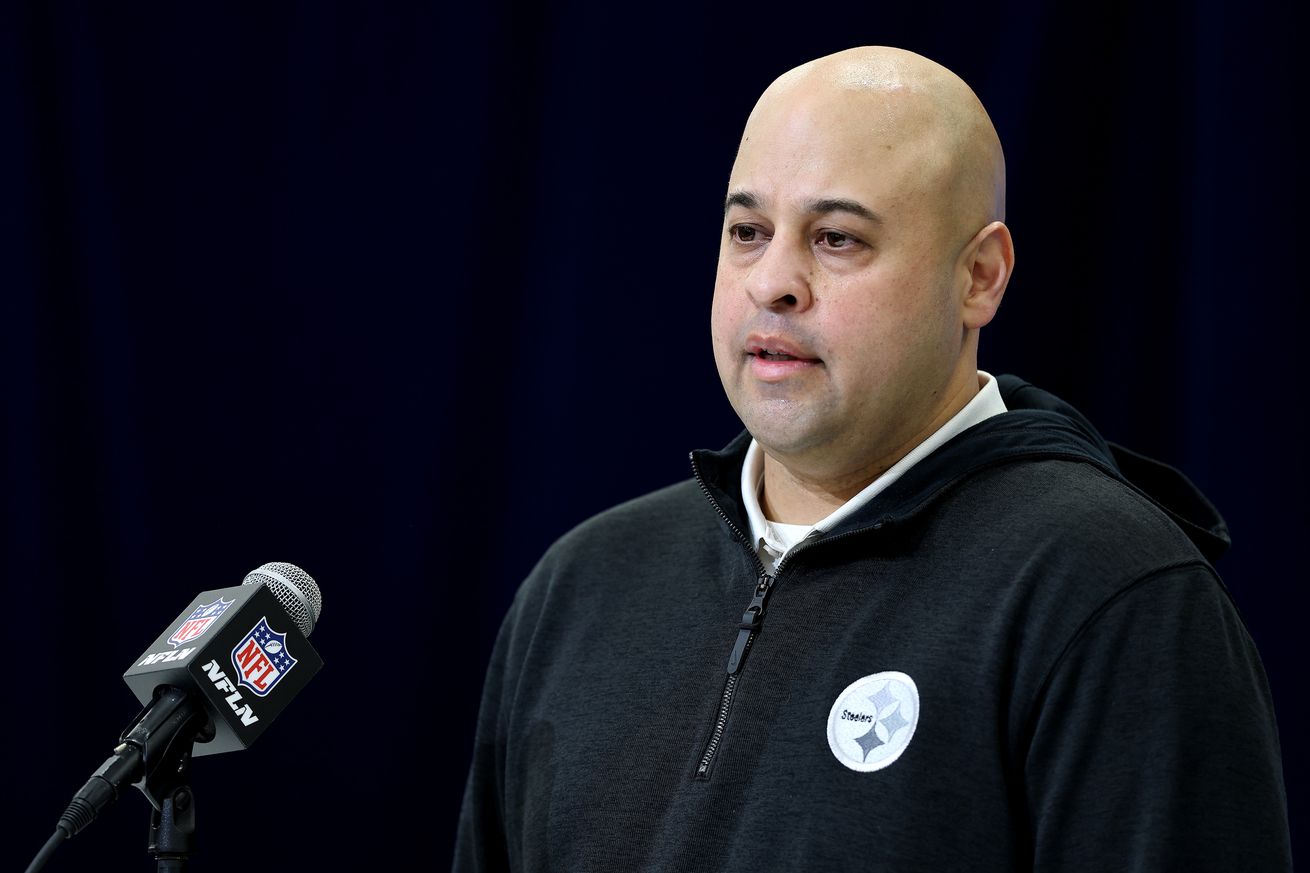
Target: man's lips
(773, 349)
(773, 359)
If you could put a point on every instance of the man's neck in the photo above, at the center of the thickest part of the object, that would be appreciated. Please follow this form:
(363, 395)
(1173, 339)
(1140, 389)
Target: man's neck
(795, 492)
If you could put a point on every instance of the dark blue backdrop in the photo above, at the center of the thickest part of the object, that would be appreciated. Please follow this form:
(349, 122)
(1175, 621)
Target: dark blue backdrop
(401, 292)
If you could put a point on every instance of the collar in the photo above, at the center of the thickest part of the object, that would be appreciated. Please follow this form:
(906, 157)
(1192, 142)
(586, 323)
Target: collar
(1038, 426)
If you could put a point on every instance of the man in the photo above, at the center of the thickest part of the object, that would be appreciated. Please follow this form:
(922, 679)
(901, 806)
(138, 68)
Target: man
(975, 636)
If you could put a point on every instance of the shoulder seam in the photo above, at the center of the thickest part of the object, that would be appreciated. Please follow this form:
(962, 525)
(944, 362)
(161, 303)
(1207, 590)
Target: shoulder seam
(1095, 615)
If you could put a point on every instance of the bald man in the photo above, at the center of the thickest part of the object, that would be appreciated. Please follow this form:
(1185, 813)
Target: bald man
(915, 617)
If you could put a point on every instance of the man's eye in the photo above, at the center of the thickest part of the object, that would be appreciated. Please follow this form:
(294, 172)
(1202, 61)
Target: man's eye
(834, 239)
(742, 233)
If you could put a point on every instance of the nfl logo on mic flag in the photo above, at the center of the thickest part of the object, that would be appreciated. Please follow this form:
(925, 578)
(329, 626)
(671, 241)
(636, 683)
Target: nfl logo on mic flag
(261, 658)
(199, 621)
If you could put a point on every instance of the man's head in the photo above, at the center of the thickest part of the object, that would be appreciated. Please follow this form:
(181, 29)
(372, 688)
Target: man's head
(862, 240)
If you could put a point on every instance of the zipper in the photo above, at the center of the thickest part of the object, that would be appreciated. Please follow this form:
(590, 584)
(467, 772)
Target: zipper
(745, 635)
(751, 621)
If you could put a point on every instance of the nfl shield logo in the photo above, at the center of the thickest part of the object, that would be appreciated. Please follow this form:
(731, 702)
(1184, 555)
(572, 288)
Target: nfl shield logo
(261, 658)
(199, 621)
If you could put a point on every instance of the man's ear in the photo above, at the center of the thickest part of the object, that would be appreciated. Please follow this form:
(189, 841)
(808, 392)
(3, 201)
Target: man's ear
(986, 263)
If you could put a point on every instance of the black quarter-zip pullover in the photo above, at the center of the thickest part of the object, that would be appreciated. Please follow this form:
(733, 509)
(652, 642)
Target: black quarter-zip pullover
(1086, 696)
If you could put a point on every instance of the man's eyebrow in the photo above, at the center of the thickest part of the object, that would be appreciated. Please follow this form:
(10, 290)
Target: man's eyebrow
(822, 206)
(744, 199)
(841, 204)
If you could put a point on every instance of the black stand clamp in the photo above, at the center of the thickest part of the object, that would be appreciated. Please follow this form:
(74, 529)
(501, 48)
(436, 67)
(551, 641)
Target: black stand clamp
(173, 822)
(164, 733)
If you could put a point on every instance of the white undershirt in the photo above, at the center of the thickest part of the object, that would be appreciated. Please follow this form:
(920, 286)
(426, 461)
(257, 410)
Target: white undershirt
(773, 539)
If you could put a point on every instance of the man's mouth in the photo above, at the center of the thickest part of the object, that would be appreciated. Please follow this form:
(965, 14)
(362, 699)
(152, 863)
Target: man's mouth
(779, 351)
(770, 355)
(775, 359)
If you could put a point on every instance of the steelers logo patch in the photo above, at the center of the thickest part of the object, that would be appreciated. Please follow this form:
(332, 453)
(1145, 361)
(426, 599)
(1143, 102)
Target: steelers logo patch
(873, 720)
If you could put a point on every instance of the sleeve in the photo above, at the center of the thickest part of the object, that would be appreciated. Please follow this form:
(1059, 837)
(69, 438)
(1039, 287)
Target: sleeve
(480, 841)
(1154, 745)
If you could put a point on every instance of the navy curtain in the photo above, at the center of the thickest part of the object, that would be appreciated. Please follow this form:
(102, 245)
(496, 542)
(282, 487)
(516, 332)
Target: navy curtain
(401, 292)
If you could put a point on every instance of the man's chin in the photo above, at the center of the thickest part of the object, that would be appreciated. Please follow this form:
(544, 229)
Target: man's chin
(787, 438)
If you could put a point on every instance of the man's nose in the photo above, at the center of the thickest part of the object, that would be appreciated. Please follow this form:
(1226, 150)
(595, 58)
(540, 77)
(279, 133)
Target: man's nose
(780, 278)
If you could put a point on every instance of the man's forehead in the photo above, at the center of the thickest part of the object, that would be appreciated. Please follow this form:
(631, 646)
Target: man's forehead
(819, 126)
(818, 155)
(820, 110)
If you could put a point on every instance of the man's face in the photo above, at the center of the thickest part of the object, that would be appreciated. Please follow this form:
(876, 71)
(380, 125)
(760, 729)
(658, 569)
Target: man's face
(836, 319)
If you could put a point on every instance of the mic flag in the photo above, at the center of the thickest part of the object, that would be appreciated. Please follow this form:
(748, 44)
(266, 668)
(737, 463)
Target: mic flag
(239, 651)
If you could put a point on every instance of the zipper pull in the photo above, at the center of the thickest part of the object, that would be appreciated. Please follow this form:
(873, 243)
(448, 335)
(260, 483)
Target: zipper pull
(751, 620)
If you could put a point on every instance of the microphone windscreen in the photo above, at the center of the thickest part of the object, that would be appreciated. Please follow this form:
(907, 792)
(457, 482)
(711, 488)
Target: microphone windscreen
(295, 589)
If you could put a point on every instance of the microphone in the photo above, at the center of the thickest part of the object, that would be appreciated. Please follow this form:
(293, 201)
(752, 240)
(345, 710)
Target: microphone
(241, 652)
(212, 682)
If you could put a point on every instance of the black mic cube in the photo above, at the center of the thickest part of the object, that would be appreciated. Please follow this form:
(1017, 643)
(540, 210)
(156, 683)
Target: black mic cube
(237, 650)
